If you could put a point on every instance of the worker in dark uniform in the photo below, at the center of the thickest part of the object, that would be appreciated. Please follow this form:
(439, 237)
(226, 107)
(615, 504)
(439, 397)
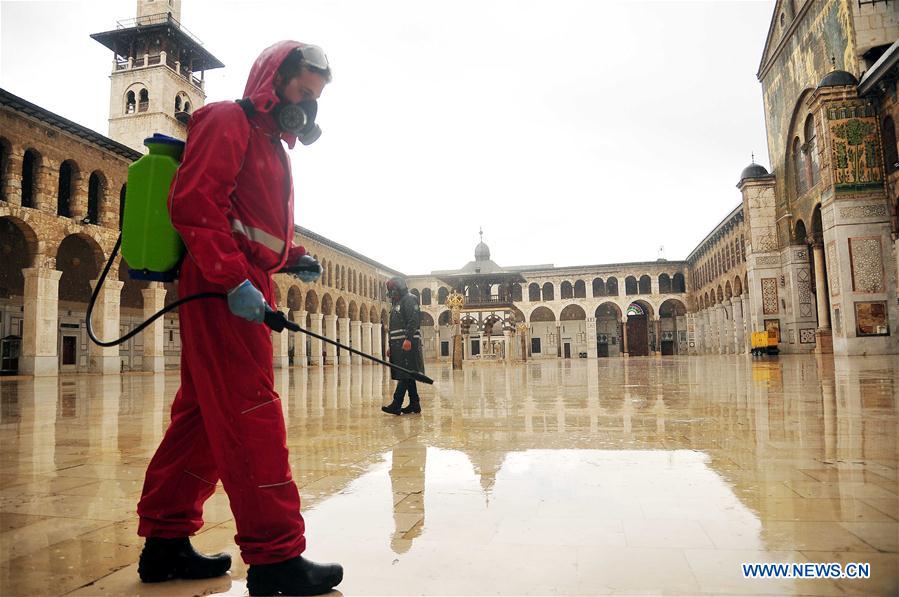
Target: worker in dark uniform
(404, 346)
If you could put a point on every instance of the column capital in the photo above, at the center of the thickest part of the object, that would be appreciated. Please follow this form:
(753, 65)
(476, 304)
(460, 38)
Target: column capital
(44, 273)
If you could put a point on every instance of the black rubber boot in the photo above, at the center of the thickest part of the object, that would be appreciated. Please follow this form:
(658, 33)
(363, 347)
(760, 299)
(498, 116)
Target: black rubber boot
(167, 559)
(413, 408)
(297, 576)
(392, 409)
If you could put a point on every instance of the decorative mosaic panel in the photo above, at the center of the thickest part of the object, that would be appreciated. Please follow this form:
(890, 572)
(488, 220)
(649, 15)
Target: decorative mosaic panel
(805, 310)
(770, 260)
(864, 211)
(855, 156)
(867, 264)
(801, 254)
(832, 268)
(804, 286)
(792, 336)
(807, 336)
(769, 295)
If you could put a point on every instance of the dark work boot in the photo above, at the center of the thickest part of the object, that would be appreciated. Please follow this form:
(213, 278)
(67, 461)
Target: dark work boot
(167, 559)
(296, 576)
(413, 408)
(393, 408)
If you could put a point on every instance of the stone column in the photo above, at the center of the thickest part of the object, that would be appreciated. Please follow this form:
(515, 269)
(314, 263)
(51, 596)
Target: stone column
(624, 349)
(821, 288)
(366, 341)
(330, 332)
(591, 338)
(738, 342)
(726, 328)
(41, 324)
(279, 345)
(508, 355)
(343, 334)
(299, 342)
(377, 344)
(12, 178)
(356, 340)
(823, 335)
(747, 329)
(658, 326)
(558, 339)
(105, 359)
(315, 346)
(153, 357)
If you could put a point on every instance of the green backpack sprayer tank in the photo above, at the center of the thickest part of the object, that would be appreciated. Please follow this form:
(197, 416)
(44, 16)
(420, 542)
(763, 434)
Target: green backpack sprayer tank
(150, 245)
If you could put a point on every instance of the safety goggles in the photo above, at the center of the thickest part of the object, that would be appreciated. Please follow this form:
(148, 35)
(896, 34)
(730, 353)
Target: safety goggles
(315, 57)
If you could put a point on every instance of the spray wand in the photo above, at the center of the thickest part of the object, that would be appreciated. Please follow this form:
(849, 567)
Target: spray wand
(273, 319)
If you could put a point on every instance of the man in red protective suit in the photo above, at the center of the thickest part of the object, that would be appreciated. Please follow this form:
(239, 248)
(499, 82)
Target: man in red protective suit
(232, 204)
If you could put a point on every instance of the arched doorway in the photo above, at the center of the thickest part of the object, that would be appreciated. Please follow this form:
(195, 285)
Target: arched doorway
(543, 332)
(608, 330)
(79, 258)
(573, 330)
(637, 335)
(672, 326)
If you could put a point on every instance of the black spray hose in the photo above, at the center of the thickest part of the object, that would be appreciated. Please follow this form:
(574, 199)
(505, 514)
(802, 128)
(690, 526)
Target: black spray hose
(273, 319)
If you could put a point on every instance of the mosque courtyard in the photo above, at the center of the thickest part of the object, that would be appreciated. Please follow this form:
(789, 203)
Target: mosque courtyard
(610, 476)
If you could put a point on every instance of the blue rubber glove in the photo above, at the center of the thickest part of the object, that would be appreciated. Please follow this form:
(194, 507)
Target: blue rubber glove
(246, 301)
(306, 268)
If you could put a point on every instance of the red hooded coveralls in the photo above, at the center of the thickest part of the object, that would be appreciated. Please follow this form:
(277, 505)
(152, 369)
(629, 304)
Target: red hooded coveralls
(232, 204)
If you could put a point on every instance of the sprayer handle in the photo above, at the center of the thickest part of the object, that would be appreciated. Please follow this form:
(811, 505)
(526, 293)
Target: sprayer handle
(276, 320)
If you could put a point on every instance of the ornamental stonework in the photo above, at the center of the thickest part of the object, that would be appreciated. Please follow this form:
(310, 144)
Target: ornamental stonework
(867, 264)
(769, 296)
(832, 269)
(807, 336)
(863, 211)
(770, 260)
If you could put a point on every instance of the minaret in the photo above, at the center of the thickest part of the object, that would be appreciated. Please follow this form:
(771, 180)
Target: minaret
(157, 74)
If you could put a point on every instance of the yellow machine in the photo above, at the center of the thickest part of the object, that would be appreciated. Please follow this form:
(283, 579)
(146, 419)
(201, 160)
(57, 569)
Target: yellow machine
(764, 342)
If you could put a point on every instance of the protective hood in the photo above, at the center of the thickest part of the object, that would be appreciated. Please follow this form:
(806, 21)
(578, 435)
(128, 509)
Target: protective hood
(396, 288)
(260, 87)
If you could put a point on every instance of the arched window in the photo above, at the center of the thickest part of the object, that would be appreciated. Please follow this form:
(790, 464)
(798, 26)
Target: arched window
(177, 103)
(144, 101)
(442, 295)
(799, 170)
(678, 283)
(548, 291)
(813, 173)
(95, 192)
(122, 205)
(890, 150)
(645, 284)
(66, 187)
(533, 292)
(30, 166)
(516, 292)
(426, 296)
(612, 286)
(664, 283)
(566, 290)
(187, 107)
(580, 289)
(599, 287)
(130, 103)
(630, 285)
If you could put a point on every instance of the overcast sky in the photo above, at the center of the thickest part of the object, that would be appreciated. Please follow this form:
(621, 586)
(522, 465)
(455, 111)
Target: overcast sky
(574, 132)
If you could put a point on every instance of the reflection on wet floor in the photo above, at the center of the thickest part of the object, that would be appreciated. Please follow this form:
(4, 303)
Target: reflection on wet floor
(641, 475)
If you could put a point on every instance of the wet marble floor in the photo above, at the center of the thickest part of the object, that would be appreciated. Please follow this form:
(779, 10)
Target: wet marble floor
(625, 476)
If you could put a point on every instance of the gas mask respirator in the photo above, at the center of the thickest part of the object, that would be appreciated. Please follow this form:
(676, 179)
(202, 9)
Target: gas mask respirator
(298, 120)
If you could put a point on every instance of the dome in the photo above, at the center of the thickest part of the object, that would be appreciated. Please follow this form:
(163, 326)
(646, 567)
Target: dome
(837, 78)
(753, 170)
(481, 252)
